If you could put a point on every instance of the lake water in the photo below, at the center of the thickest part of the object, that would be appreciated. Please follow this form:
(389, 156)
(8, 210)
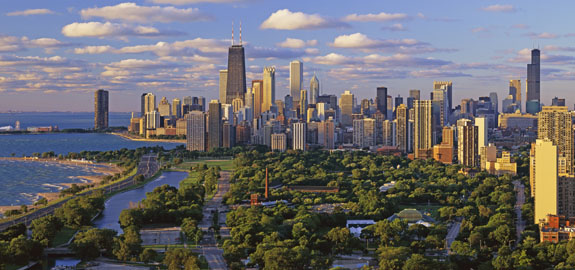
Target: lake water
(64, 120)
(114, 206)
(63, 143)
(22, 180)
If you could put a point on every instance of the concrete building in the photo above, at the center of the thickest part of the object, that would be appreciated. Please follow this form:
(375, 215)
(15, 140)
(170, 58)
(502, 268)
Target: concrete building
(299, 131)
(223, 84)
(446, 86)
(279, 142)
(268, 95)
(423, 127)
(381, 99)
(214, 125)
(346, 104)
(389, 131)
(488, 155)
(152, 120)
(515, 91)
(101, 108)
(196, 131)
(555, 124)
(483, 133)
(150, 102)
(177, 108)
(402, 117)
(467, 145)
(544, 179)
(303, 105)
(295, 80)
(443, 152)
(517, 121)
(257, 91)
(164, 107)
(313, 90)
(503, 165)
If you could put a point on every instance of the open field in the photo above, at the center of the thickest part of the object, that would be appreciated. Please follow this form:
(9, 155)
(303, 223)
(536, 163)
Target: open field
(432, 209)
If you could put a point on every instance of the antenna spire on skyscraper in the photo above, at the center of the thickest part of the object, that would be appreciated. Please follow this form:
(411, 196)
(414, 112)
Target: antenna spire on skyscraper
(240, 32)
(232, 33)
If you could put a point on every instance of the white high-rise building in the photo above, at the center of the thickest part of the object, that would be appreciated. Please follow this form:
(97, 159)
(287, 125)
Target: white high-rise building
(223, 85)
(313, 90)
(196, 131)
(150, 102)
(299, 131)
(482, 138)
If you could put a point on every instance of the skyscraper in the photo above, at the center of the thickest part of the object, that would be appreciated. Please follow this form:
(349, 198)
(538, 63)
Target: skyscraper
(467, 150)
(143, 105)
(196, 131)
(346, 106)
(440, 109)
(279, 142)
(423, 127)
(257, 91)
(389, 130)
(415, 94)
(533, 78)
(303, 104)
(299, 131)
(381, 96)
(164, 107)
(515, 91)
(223, 84)
(177, 108)
(295, 80)
(236, 86)
(101, 109)
(214, 125)
(150, 102)
(269, 88)
(544, 166)
(313, 90)
(482, 136)
(448, 87)
(402, 127)
(554, 124)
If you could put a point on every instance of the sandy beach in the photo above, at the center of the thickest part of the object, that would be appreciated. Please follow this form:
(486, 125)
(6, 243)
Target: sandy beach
(137, 138)
(100, 168)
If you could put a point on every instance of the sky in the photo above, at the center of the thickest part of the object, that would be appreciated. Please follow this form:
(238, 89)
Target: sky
(55, 54)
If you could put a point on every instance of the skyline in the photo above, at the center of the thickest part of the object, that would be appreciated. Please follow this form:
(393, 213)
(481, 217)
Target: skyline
(56, 66)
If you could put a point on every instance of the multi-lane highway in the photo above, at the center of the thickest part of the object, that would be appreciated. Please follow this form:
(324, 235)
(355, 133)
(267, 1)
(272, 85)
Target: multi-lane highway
(213, 254)
(147, 167)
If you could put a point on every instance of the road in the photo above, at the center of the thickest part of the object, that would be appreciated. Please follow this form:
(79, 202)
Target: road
(520, 200)
(452, 233)
(148, 166)
(213, 254)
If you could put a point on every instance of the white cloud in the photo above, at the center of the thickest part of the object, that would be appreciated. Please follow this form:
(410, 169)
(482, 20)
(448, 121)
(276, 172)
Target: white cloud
(361, 41)
(38, 11)
(395, 27)
(284, 19)
(295, 43)
(479, 30)
(333, 59)
(131, 12)
(14, 44)
(98, 29)
(499, 8)
(380, 17)
(544, 35)
(210, 47)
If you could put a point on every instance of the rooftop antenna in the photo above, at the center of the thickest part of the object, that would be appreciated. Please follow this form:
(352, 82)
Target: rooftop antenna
(232, 33)
(240, 32)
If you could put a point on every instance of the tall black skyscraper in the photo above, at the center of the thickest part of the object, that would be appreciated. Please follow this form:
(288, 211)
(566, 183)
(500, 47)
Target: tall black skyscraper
(381, 97)
(101, 109)
(236, 87)
(533, 77)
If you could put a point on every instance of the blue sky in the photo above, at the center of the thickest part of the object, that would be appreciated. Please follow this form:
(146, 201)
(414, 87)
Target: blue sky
(54, 54)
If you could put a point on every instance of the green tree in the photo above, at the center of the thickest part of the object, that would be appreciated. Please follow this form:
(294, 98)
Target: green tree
(178, 258)
(418, 262)
(340, 239)
(88, 244)
(191, 230)
(392, 258)
(148, 255)
(45, 228)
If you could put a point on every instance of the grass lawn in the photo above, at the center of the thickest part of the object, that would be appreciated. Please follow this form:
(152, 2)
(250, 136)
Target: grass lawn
(225, 164)
(432, 209)
(63, 236)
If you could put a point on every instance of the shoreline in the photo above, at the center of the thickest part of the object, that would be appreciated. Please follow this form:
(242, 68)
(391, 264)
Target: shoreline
(139, 139)
(102, 169)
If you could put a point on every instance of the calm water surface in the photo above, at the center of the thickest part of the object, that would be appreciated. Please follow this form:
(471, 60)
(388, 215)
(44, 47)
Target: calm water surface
(114, 206)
